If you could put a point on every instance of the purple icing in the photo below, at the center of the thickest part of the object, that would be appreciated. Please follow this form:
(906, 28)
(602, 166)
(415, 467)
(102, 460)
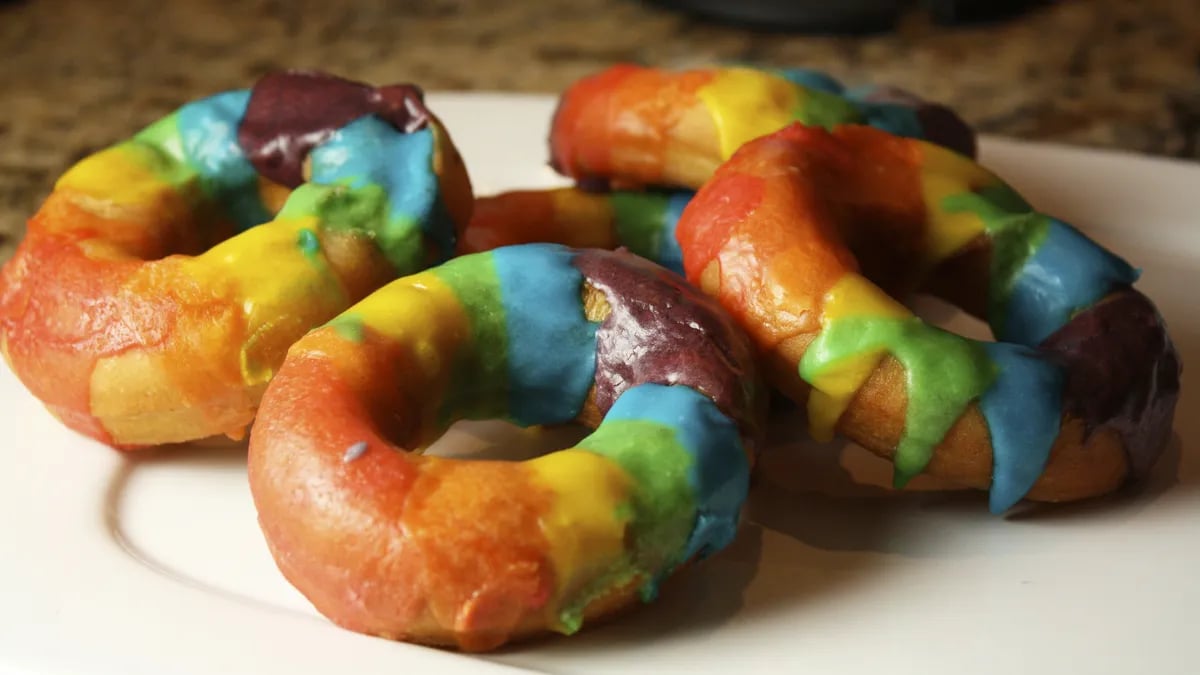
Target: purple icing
(290, 112)
(1123, 372)
(662, 330)
(939, 124)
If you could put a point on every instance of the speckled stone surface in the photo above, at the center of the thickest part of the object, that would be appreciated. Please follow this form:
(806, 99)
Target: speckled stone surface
(76, 75)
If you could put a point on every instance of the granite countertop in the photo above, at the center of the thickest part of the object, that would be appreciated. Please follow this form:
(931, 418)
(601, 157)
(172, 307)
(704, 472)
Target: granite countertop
(76, 75)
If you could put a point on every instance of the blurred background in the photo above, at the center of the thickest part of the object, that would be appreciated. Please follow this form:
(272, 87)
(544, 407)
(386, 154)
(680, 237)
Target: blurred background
(76, 75)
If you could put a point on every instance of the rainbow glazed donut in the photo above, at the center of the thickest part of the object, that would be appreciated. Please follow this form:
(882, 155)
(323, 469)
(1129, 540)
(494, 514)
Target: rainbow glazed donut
(631, 126)
(791, 236)
(643, 99)
(142, 307)
(473, 553)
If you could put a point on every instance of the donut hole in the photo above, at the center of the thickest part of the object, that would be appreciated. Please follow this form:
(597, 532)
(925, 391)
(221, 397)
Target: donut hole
(949, 316)
(504, 441)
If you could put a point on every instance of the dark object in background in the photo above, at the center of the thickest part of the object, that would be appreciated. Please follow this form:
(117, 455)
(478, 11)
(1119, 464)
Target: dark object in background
(814, 16)
(953, 12)
(847, 16)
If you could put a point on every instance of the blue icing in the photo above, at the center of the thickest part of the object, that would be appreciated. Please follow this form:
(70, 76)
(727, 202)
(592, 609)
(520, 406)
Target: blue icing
(208, 131)
(551, 344)
(370, 152)
(894, 118)
(1023, 409)
(1067, 273)
(812, 79)
(669, 253)
(719, 474)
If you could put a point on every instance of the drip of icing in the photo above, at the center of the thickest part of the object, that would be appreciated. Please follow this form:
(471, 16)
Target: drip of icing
(366, 176)
(1023, 409)
(551, 344)
(691, 473)
(835, 385)
(944, 373)
(662, 330)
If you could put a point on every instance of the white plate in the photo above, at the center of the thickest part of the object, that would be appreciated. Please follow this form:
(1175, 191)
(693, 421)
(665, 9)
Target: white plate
(155, 565)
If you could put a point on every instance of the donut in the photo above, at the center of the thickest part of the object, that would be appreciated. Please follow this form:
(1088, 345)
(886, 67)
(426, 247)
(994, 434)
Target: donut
(633, 126)
(639, 99)
(148, 305)
(801, 231)
(471, 553)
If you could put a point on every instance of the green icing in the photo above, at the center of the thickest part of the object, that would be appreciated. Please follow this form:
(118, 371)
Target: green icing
(661, 510)
(479, 373)
(639, 217)
(1016, 232)
(944, 371)
(349, 326)
(159, 149)
(340, 207)
(822, 109)
(163, 134)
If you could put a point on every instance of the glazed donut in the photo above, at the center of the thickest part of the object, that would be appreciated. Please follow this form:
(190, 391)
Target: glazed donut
(473, 553)
(631, 126)
(142, 308)
(1077, 396)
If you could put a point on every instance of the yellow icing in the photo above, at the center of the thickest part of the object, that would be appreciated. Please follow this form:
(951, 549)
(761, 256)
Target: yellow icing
(835, 386)
(746, 104)
(294, 287)
(584, 529)
(123, 175)
(422, 313)
(576, 206)
(944, 174)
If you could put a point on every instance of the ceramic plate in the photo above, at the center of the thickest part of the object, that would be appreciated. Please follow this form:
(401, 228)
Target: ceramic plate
(154, 564)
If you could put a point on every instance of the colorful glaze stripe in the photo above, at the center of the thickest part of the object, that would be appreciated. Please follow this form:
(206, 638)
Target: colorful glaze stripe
(631, 123)
(1043, 274)
(217, 278)
(659, 482)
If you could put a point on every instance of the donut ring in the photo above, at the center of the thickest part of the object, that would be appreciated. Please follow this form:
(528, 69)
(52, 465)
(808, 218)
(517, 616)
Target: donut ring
(140, 310)
(645, 126)
(475, 553)
(1078, 396)
(644, 220)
